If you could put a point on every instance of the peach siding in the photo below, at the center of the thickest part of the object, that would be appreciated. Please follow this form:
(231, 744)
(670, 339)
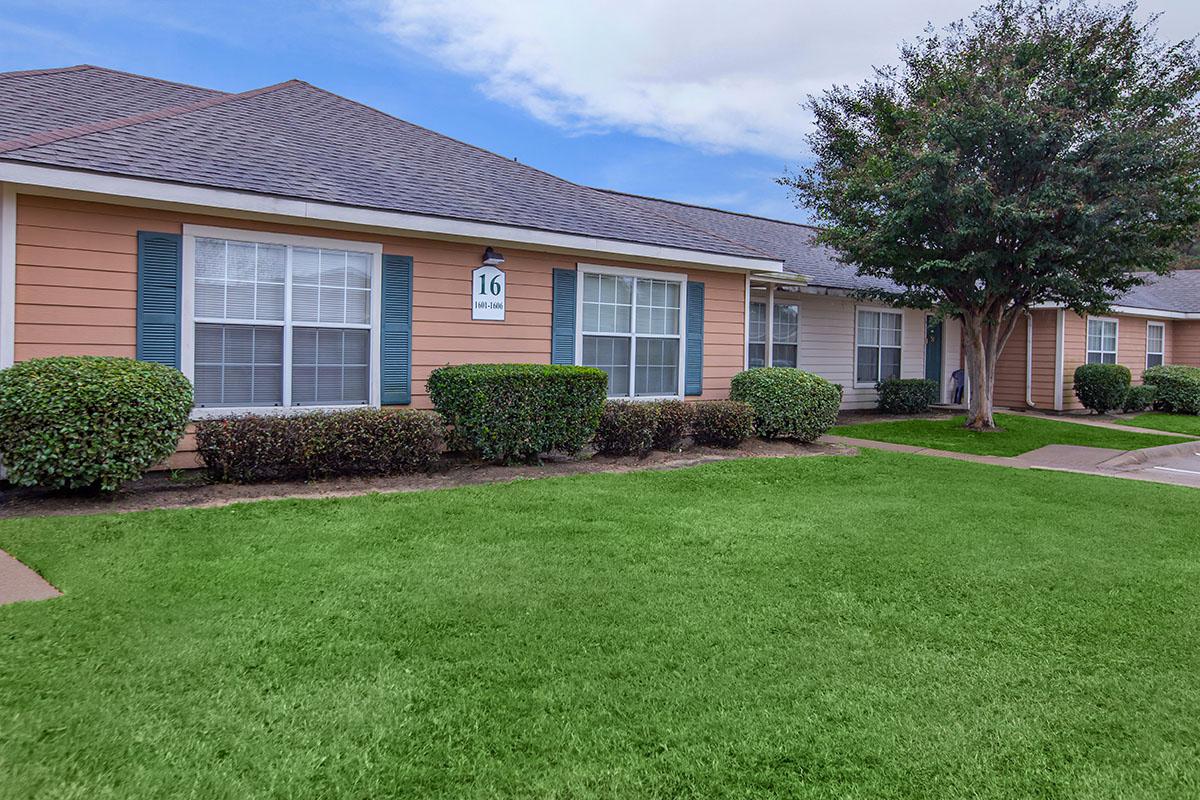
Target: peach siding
(1184, 343)
(76, 291)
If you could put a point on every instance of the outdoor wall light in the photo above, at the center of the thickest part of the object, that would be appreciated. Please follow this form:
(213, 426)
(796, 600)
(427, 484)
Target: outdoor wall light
(492, 258)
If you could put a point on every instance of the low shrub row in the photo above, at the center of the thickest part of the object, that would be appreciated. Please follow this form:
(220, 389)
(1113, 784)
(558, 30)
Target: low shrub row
(630, 428)
(320, 444)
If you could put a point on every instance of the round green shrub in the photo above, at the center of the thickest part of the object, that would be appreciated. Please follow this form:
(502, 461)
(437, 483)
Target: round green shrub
(1177, 388)
(906, 395)
(626, 428)
(1102, 387)
(1138, 398)
(72, 422)
(788, 403)
(722, 423)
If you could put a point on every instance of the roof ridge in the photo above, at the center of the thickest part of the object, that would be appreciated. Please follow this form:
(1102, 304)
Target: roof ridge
(693, 226)
(152, 78)
(19, 73)
(709, 208)
(75, 131)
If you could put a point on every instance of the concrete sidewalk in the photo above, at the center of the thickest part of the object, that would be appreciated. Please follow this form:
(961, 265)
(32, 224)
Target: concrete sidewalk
(1139, 465)
(18, 582)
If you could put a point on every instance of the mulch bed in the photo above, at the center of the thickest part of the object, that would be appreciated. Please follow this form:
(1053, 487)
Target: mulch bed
(190, 488)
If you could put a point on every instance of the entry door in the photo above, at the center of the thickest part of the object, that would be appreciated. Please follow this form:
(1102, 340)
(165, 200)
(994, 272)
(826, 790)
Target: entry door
(933, 350)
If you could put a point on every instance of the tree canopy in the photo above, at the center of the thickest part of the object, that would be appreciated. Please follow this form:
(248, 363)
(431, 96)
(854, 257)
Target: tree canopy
(1043, 151)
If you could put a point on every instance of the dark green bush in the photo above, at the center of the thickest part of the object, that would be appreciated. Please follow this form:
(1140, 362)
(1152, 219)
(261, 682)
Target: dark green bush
(509, 412)
(788, 403)
(722, 423)
(1138, 398)
(626, 428)
(1177, 388)
(906, 395)
(76, 422)
(1102, 387)
(674, 424)
(319, 444)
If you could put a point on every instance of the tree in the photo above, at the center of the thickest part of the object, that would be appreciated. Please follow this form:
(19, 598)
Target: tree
(1041, 152)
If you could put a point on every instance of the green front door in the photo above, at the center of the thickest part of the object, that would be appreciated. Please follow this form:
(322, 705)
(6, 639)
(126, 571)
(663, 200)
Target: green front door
(933, 350)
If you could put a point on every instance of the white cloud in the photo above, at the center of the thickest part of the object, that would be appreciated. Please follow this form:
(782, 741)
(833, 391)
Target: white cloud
(710, 73)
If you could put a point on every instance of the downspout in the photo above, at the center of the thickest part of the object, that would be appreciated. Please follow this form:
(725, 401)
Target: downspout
(8, 273)
(746, 328)
(1029, 360)
(769, 356)
(1059, 334)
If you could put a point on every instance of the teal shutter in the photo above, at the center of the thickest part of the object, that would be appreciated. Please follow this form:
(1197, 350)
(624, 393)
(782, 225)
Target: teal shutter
(693, 376)
(396, 357)
(159, 303)
(562, 317)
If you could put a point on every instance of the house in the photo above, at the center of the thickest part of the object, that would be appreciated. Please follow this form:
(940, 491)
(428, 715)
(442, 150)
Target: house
(287, 248)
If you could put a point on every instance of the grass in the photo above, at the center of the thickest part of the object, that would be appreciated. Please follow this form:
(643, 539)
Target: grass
(879, 626)
(1155, 420)
(1018, 434)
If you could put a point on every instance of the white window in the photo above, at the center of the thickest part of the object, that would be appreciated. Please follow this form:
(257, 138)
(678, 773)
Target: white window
(276, 321)
(758, 334)
(1101, 341)
(1155, 340)
(877, 349)
(631, 326)
(785, 335)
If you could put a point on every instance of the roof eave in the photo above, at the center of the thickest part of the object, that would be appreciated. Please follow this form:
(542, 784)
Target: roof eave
(106, 187)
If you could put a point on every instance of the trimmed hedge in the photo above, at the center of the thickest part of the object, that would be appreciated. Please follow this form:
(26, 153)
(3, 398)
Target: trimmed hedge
(94, 422)
(1138, 398)
(626, 428)
(1102, 387)
(788, 403)
(319, 444)
(722, 423)
(516, 412)
(674, 424)
(906, 395)
(1177, 388)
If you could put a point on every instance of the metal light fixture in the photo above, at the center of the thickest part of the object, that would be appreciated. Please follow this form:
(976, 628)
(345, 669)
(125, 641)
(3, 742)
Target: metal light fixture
(492, 258)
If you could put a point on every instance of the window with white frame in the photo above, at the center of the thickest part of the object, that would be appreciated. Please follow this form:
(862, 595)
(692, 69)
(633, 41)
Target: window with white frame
(1155, 343)
(758, 334)
(1101, 341)
(785, 335)
(630, 327)
(280, 324)
(877, 346)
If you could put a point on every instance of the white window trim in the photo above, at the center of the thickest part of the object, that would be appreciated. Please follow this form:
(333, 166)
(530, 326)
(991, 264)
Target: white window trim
(854, 358)
(188, 332)
(771, 300)
(1163, 339)
(1116, 340)
(674, 277)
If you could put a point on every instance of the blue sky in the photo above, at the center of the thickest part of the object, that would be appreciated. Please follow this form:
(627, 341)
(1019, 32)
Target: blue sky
(693, 100)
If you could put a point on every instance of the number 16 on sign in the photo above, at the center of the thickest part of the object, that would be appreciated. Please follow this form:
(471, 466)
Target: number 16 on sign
(487, 294)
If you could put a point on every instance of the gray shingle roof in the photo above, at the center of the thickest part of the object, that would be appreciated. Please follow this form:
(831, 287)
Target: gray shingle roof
(299, 141)
(42, 100)
(789, 240)
(1178, 291)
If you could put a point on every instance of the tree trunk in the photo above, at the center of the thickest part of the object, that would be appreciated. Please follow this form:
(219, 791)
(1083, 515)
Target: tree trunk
(986, 333)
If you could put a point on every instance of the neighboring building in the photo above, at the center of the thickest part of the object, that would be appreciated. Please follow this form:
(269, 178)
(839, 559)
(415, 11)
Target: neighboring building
(289, 248)
(1156, 323)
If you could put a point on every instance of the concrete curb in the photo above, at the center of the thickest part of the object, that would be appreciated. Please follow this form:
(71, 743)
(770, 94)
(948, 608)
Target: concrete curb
(1133, 459)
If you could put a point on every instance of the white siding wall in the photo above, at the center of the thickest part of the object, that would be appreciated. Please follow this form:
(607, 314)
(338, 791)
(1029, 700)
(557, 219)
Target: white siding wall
(827, 345)
(827, 327)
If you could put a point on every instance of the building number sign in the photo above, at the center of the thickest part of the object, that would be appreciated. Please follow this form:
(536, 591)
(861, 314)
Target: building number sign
(487, 293)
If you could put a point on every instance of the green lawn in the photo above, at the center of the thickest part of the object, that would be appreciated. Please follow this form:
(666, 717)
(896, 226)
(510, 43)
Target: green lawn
(1019, 434)
(1179, 423)
(878, 626)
